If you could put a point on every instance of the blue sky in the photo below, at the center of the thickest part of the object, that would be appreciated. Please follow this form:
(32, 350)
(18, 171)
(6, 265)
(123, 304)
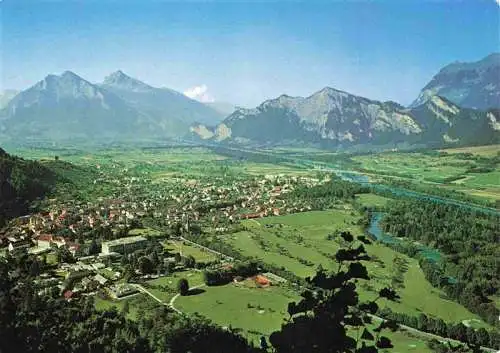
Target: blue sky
(246, 52)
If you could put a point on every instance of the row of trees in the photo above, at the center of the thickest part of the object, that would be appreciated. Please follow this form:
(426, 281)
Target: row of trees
(438, 327)
(226, 275)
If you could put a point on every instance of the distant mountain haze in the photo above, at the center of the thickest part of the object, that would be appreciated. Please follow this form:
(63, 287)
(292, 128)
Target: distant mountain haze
(164, 104)
(66, 106)
(222, 107)
(6, 96)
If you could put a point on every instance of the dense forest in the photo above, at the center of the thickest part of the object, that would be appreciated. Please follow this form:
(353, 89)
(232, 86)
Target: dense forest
(470, 241)
(21, 181)
(327, 195)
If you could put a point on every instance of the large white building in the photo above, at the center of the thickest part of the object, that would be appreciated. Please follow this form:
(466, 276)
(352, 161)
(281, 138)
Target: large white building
(124, 245)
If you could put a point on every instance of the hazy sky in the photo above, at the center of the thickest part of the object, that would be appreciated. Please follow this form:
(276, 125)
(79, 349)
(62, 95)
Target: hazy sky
(245, 52)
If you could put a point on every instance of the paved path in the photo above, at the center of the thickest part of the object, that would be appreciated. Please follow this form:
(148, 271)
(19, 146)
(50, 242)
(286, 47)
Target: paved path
(174, 298)
(144, 290)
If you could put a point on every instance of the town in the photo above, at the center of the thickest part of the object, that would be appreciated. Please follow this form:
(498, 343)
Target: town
(85, 248)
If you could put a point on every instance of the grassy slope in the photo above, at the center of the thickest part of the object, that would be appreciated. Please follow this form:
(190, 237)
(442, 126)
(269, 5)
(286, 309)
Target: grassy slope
(166, 287)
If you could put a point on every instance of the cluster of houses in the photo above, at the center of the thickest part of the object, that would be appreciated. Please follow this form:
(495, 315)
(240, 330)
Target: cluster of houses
(228, 201)
(212, 202)
(176, 200)
(85, 276)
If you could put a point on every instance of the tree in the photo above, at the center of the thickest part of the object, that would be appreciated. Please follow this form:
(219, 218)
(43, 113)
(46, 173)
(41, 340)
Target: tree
(483, 337)
(263, 343)
(189, 261)
(441, 327)
(471, 335)
(183, 286)
(34, 268)
(330, 302)
(145, 265)
(422, 322)
(126, 308)
(177, 257)
(129, 273)
(169, 267)
(155, 260)
(64, 255)
(93, 247)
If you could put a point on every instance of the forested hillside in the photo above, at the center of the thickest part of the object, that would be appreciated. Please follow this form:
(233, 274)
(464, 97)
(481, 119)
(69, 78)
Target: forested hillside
(21, 181)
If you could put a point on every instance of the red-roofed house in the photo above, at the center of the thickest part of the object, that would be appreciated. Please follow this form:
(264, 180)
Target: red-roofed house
(44, 240)
(262, 280)
(73, 247)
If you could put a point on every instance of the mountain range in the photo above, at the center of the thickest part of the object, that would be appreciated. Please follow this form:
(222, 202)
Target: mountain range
(67, 106)
(335, 118)
(460, 105)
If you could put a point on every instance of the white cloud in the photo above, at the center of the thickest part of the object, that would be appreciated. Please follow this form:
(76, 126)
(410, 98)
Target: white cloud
(498, 2)
(200, 93)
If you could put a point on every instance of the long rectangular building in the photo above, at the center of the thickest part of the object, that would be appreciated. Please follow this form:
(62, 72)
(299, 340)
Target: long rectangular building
(124, 245)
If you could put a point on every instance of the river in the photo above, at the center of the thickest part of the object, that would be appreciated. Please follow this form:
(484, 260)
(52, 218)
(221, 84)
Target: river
(396, 191)
(376, 231)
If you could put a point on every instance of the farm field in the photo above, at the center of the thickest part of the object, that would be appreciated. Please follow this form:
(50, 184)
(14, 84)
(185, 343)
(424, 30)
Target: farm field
(415, 165)
(452, 170)
(488, 151)
(300, 243)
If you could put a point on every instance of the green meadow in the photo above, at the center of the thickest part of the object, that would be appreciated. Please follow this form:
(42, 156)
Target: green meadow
(452, 169)
(300, 242)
